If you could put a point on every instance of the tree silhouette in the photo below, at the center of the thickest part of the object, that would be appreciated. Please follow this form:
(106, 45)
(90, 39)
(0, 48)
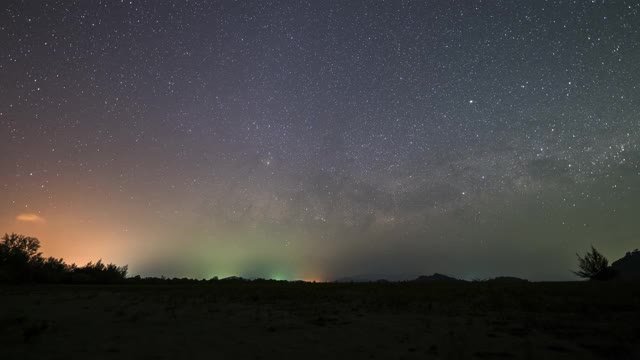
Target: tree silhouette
(20, 261)
(102, 273)
(593, 265)
(18, 257)
(19, 246)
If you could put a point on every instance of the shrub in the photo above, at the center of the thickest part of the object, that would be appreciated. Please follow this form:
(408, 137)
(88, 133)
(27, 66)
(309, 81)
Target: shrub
(594, 266)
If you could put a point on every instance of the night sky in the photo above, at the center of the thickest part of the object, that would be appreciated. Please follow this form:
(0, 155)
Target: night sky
(320, 139)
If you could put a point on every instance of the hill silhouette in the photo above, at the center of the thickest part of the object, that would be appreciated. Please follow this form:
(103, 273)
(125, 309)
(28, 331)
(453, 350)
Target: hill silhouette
(627, 267)
(436, 277)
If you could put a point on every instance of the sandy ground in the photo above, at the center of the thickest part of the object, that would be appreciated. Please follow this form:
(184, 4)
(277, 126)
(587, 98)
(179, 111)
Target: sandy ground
(322, 321)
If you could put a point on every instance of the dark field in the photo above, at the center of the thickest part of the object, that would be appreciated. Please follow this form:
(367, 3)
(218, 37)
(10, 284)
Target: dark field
(277, 320)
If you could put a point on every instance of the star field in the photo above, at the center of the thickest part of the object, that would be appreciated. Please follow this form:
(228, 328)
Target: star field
(303, 139)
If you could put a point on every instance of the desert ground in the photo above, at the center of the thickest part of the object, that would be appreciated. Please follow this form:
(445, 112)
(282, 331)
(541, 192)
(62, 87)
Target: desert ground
(280, 320)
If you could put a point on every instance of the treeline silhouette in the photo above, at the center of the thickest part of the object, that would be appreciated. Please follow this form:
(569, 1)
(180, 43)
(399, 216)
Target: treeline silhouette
(20, 262)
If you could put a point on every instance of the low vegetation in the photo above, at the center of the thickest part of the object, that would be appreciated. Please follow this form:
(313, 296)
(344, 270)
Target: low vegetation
(593, 265)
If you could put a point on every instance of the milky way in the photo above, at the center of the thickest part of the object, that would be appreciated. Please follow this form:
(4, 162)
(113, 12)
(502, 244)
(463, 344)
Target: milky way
(320, 139)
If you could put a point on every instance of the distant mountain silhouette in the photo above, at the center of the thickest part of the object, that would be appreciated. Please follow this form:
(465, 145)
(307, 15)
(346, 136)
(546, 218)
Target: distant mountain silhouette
(436, 277)
(628, 267)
